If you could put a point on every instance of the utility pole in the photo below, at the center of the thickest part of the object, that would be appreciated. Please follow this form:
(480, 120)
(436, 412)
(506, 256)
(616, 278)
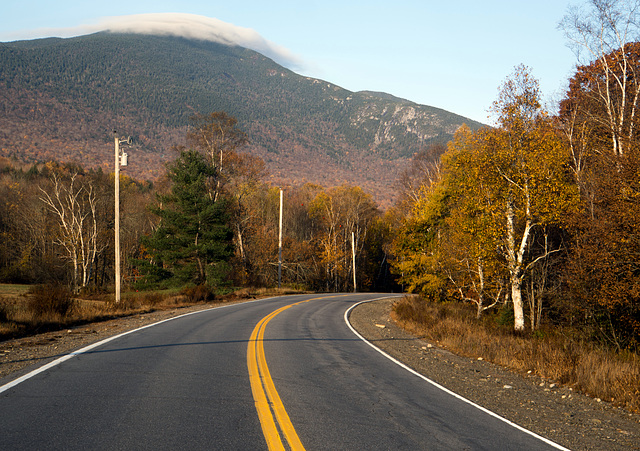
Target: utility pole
(119, 160)
(353, 256)
(280, 245)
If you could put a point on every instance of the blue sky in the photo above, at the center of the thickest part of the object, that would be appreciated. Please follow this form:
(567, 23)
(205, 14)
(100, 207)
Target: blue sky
(448, 54)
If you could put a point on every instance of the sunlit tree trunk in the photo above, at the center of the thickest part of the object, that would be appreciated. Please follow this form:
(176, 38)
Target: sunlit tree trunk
(75, 209)
(515, 256)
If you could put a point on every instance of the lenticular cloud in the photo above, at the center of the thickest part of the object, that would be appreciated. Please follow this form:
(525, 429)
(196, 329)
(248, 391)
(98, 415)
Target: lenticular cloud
(189, 26)
(199, 27)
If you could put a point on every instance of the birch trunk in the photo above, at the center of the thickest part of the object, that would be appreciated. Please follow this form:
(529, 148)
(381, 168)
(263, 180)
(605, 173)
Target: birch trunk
(516, 298)
(515, 256)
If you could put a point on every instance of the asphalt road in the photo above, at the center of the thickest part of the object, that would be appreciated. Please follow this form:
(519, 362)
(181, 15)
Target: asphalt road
(185, 384)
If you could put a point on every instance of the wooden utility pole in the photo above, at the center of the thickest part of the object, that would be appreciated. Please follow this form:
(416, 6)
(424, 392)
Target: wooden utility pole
(353, 256)
(117, 142)
(280, 245)
(117, 216)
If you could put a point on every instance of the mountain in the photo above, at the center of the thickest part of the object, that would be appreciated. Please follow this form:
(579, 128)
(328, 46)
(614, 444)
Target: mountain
(61, 99)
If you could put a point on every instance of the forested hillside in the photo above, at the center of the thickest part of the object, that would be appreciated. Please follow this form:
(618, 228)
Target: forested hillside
(213, 222)
(61, 99)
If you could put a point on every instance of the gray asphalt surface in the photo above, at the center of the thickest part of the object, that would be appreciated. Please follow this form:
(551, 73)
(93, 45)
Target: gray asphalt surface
(183, 384)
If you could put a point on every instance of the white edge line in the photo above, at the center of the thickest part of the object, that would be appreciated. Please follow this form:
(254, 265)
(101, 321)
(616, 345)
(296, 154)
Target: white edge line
(66, 357)
(435, 384)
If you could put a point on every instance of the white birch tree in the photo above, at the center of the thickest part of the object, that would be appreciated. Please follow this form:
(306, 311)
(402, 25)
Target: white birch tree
(73, 203)
(511, 182)
(603, 35)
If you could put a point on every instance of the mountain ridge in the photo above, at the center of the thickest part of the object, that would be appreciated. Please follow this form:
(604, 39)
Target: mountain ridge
(62, 97)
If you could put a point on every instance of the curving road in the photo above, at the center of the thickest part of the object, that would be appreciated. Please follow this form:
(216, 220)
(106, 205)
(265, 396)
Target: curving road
(284, 371)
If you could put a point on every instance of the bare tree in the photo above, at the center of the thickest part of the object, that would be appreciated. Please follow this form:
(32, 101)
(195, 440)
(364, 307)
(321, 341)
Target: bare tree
(217, 136)
(424, 171)
(341, 211)
(471, 285)
(73, 203)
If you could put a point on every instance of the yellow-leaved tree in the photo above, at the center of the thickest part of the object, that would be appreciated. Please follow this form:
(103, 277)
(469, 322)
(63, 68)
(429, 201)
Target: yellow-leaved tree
(510, 184)
(343, 213)
(479, 230)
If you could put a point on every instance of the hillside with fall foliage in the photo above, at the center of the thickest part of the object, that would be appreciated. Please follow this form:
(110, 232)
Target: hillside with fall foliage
(62, 98)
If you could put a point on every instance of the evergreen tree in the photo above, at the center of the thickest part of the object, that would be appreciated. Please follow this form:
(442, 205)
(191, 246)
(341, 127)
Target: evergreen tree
(192, 243)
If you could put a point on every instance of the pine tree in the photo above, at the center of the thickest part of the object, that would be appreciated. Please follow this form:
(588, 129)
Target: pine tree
(192, 243)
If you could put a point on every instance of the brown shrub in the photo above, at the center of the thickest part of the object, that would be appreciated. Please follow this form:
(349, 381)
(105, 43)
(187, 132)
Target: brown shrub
(50, 301)
(153, 299)
(128, 303)
(4, 312)
(199, 293)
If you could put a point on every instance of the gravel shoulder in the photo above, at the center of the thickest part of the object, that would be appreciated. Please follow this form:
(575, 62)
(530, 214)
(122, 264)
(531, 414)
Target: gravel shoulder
(22, 355)
(571, 419)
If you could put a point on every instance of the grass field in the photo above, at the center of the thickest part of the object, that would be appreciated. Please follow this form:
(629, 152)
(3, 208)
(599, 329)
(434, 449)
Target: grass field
(13, 290)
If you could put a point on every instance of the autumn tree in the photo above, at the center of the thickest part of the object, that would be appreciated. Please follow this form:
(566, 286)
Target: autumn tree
(341, 211)
(38, 199)
(445, 247)
(238, 177)
(473, 270)
(480, 228)
(522, 181)
(258, 263)
(607, 86)
(599, 115)
(600, 274)
(256, 234)
(26, 245)
(244, 184)
(419, 218)
(416, 246)
(136, 222)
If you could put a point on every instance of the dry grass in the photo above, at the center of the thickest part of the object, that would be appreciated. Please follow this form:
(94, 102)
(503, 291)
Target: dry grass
(560, 355)
(31, 310)
(13, 290)
(46, 308)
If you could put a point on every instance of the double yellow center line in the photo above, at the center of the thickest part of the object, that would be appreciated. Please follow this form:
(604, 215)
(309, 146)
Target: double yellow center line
(268, 402)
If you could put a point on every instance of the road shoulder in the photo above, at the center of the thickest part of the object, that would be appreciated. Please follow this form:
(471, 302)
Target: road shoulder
(21, 355)
(571, 419)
